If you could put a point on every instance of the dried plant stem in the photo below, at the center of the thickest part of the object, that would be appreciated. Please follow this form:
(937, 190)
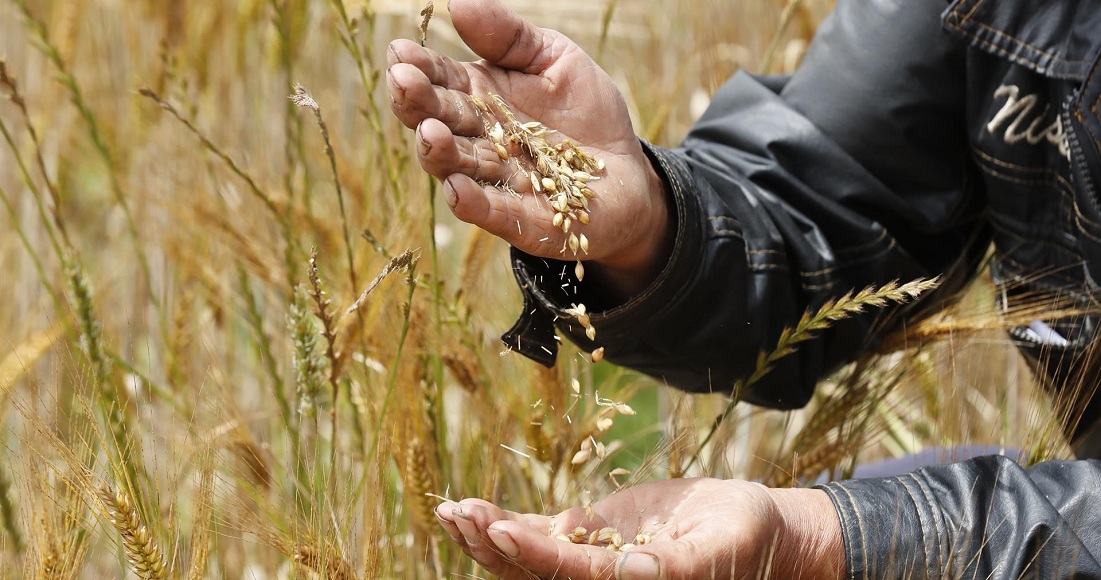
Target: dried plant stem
(406, 261)
(31, 253)
(301, 98)
(17, 98)
(142, 552)
(328, 325)
(393, 375)
(605, 28)
(113, 401)
(217, 151)
(809, 325)
(294, 150)
(99, 144)
(370, 82)
(201, 519)
(255, 321)
(8, 515)
(774, 46)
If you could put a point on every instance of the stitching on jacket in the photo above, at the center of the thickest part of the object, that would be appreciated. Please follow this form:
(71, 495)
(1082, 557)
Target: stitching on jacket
(1035, 49)
(971, 13)
(1065, 187)
(854, 512)
(860, 248)
(766, 267)
(729, 233)
(1016, 58)
(936, 559)
(1011, 165)
(1006, 177)
(841, 266)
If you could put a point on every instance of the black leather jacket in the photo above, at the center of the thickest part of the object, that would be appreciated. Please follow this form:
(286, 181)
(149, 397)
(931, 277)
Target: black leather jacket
(911, 137)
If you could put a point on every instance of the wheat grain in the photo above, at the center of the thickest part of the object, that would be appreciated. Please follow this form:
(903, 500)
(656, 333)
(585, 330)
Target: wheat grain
(142, 552)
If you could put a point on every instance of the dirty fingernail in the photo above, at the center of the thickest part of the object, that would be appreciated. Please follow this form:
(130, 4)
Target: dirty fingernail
(458, 512)
(397, 57)
(398, 94)
(450, 194)
(637, 566)
(504, 542)
(444, 510)
(423, 146)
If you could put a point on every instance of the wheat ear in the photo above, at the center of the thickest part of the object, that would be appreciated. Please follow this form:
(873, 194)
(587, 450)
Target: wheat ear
(809, 325)
(145, 556)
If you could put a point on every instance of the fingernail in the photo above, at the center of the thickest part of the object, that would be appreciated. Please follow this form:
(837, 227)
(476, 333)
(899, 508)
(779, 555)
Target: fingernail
(504, 542)
(450, 194)
(458, 512)
(637, 566)
(440, 512)
(398, 94)
(423, 146)
(397, 57)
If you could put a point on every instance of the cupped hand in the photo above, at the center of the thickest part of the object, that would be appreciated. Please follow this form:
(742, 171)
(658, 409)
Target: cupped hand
(545, 77)
(693, 528)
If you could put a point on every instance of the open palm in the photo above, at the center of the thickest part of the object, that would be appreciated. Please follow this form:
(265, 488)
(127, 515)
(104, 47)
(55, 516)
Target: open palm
(693, 528)
(543, 76)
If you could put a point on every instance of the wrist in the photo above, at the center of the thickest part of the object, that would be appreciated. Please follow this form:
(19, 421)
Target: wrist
(644, 258)
(810, 544)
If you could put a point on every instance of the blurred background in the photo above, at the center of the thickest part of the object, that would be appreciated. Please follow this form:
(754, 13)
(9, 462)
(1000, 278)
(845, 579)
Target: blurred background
(184, 389)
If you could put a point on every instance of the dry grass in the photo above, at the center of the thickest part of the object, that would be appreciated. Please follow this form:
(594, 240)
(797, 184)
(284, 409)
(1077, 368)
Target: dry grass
(186, 390)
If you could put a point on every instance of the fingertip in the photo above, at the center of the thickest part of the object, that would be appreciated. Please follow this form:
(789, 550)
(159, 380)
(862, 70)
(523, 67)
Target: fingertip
(396, 52)
(443, 511)
(502, 538)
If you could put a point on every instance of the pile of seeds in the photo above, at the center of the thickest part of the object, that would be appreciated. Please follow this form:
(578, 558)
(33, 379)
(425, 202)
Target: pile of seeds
(604, 537)
(561, 172)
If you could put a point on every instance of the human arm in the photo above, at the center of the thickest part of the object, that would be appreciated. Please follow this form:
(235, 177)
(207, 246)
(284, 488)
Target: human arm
(853, 172)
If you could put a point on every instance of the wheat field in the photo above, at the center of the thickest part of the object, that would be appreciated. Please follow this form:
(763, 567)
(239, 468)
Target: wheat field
(233, 345)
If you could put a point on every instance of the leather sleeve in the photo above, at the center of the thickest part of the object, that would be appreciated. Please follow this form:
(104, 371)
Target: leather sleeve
(984, 518)
(789, 192)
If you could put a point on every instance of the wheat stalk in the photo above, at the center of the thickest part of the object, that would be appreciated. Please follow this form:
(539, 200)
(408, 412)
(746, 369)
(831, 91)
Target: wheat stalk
(301, 98)
(201, 519)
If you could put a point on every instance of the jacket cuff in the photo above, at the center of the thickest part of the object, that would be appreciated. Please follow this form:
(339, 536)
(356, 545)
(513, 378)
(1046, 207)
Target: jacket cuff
(884, 528)
(549, 286)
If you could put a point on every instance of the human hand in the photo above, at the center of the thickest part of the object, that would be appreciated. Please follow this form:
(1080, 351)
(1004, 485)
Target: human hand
(698, 528)
(545, 77)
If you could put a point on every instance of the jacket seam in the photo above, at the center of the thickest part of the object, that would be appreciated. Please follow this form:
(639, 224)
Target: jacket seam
(1038, 50)
(931, 561)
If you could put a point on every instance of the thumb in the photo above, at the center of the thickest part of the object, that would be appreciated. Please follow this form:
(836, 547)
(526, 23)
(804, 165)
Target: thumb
(496, 33)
